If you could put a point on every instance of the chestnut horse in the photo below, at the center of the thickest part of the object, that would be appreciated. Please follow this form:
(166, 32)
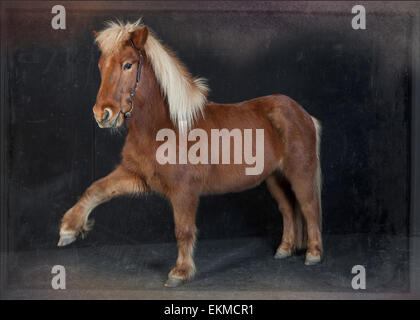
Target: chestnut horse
(144, 81)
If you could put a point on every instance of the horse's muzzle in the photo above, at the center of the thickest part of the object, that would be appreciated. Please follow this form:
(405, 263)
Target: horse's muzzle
(108, 121)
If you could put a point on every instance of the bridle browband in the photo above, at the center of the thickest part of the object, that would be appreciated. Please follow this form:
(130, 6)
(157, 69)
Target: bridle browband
(133, 91)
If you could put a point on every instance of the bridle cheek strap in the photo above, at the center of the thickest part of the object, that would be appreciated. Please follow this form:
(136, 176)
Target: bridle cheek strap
(133, 91)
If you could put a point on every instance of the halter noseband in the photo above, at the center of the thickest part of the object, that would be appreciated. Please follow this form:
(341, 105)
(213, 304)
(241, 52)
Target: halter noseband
(133, 91)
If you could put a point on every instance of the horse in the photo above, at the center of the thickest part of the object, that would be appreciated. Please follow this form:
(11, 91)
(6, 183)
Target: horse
(146, 88)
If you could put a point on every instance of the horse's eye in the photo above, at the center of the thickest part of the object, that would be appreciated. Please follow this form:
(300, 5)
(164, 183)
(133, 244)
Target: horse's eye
(127, 66)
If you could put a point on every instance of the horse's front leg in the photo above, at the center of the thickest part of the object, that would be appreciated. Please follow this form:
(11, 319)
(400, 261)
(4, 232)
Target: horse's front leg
(75, 221)
(184, 206)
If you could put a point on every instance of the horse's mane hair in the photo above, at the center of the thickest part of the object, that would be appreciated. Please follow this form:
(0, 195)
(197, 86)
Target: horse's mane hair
(186, 96)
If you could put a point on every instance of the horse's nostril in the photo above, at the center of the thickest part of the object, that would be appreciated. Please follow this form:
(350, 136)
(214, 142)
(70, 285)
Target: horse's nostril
(107, 115)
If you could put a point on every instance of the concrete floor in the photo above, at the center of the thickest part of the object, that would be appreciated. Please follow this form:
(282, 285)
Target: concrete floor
(241, 268)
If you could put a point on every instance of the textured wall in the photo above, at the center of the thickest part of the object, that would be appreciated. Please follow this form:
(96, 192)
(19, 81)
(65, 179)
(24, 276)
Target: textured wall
(356, 82)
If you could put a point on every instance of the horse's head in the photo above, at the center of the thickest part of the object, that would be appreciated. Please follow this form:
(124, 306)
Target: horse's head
(164, 78)
(119, 67)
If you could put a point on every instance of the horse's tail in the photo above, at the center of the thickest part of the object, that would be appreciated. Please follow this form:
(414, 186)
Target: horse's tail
(318, 174)
(300, 225)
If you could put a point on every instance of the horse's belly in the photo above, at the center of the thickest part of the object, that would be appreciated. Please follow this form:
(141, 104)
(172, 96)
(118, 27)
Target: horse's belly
(230, 179)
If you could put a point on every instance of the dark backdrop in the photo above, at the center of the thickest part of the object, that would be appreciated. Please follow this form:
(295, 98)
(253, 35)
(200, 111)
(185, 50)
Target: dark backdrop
(357, 82)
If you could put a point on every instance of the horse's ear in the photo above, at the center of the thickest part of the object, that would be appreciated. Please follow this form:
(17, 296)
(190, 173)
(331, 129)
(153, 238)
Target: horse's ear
(95, 33)
(139, 37)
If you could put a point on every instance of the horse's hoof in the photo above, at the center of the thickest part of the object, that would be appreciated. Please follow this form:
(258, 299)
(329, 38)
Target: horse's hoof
(66, 239)
(174, 282)
(312, 260)
(281, 254)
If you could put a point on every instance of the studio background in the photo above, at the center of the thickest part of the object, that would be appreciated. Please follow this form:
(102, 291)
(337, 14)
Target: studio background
(356, 82)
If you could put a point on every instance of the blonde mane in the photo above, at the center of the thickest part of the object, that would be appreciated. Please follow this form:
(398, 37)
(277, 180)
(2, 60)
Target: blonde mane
(186, 96)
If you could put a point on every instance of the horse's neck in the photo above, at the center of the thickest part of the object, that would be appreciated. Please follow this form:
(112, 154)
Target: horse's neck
(150, 111)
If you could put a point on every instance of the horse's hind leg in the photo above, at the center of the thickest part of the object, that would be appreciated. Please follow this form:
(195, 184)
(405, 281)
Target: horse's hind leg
(281, 191)
(75, 221)
(304, 185)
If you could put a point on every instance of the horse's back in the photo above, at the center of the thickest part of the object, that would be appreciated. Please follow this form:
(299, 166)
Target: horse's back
(256, 109)
(281, 116)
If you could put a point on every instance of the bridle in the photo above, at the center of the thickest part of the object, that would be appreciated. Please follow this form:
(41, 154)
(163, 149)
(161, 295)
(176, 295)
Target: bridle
(133, 91)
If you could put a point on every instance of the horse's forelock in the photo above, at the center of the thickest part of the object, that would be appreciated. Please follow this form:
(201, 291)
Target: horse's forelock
(116, 33)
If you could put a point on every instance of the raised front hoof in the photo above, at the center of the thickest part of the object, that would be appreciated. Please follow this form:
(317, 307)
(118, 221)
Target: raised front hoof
(312, 260)
(66, 239)
(282, 254)
(174, 282)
